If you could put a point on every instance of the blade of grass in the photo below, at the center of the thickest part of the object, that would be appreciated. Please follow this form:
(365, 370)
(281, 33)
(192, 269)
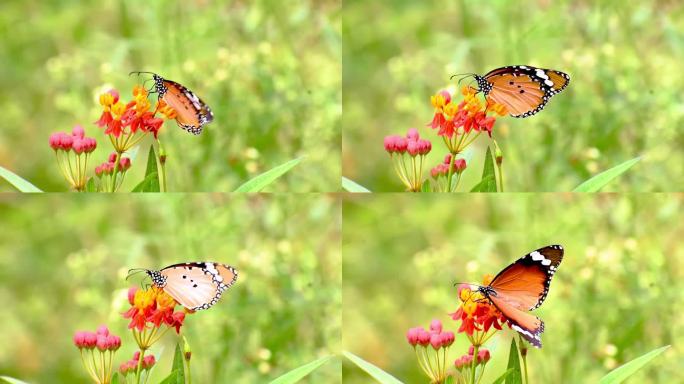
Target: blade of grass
(377, 373)
(488, 182)
(299, 373)
(149, 184)
(351, 186)
(501, 378)
(178, 365)
(263, 180)
(619, 374)
(599, 181)
(11, 380)
(17, 182)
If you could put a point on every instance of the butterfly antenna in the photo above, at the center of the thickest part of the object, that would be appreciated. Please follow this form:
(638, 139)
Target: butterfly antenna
(139, 72)
(135, 271)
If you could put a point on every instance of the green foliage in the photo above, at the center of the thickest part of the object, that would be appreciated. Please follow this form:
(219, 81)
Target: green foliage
(299, 373)
(262, 181)
(269, 70)
(599, 181)
(178, 367)
(70, 275)
(501, 378)
(17, 182)
(378, 374)
(402, 256)
(620, 100)
(351, 186)
(488, 182)
(11, 380)
(620, 374)
(515, 375)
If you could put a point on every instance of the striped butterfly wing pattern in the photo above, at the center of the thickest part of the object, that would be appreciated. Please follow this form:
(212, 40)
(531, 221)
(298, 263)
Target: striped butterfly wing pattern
(196, 285)
(522, 287)
(192, 113)
(524, 90)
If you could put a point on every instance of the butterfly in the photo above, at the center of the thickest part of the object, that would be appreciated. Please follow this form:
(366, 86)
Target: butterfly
(195, 285)
(192, 113)
(524, 90)
(522, 287)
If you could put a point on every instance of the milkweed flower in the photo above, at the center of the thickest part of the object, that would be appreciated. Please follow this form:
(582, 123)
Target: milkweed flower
(102, 343)
(457, 120)
(431, 346)
(151, 309)
(411, 149)
(440, 173)
(72, 152)
(477, 315)
(106, 171)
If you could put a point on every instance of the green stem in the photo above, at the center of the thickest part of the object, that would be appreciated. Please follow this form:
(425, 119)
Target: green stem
(137, 371)
(116, 170)
(451, 172)
(501, 187)
(188, 373)
(474, 364)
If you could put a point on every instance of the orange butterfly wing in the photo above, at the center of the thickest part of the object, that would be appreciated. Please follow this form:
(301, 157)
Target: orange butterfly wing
(523, 90)
(198, 285)
(523, 286)
(192, 112)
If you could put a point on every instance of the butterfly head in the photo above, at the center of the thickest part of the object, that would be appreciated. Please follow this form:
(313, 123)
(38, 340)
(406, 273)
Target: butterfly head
(486, 291)
(482, 84)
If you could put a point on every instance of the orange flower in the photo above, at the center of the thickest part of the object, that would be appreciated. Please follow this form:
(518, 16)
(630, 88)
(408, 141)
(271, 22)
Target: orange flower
(477, 315)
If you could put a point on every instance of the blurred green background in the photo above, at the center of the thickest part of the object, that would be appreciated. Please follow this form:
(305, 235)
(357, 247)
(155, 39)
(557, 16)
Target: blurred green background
(624, 99)
(63, 261)
(270, 70)
(616, 296)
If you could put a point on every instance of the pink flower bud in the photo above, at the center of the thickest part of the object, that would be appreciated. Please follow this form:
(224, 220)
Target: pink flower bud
(115, 94)
(89, 340)
(412, 336)
(483, 356)
(113, 342)
(389, 144)
(412, 134)
(78, 131)
(98, 171)
(55, 142)
(436, 326)
(65, 141)
(446, 95)
(102, 343)
(131, 294)
(423, 337)
(471, 350)
(136, 356)
(78, 145)
(112, 157)
(436, 341)
(436, 171)
(108, 168)
(400, 144)
(79, 339)
(103, 330)
(124, 164)
(467, 360)
(90, 144)
(447, 159)
(413, 148)
(459, 165)
(148, 362)
(447, 339)
(425, 146)
(123, 368)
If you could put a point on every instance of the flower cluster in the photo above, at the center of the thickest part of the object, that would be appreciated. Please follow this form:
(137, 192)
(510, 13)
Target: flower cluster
(431, 348)
(127, 124)
(105, 172)
(131, 366)
(72, 152)
(101, 342)
(150, 310)
(441, 173)
(467, 364)
(479, 318)
(457, 121)
(411, 148)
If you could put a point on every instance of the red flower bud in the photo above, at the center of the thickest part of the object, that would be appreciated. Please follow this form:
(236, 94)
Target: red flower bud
(447, 339)
(102, 342)
(124, 164)
(483, 356)
(112, 157)
(89, 340)
(78, 131)
(447, 159)
(148, 362)
(113, 342)
(65, 141)
(423, 337)
(436, 340)
(55, 142)
(413, 147)
(471, 350)
(103, 330)
(459, 165)
(79, 339)
(412, 134)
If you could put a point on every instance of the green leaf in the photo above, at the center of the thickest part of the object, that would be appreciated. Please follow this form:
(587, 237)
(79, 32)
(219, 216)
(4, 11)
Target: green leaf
(515, 376)
(488, 182)
(151, 162)
(149, 184)
(483, 184)
(377, 373)
(299, 373)
(18, 183)
(90, 185)
(619, 374)
(10, 380)
(115, 378)
(502, 377)
(178, 365)
(351, 186)
(426, 186)
(449, 380)
(172, 378)
(263, 180)
(599, 181)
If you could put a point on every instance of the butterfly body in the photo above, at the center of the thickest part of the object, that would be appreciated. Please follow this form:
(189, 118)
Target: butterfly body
(522, 287)
(192, 113)
(524, 90)
(196, 285)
